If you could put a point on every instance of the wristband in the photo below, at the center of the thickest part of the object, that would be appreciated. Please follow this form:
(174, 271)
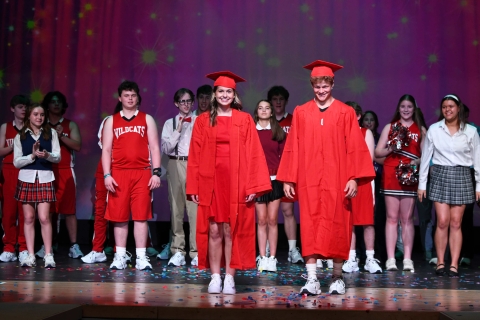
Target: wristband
(107, 175)
(157, 172)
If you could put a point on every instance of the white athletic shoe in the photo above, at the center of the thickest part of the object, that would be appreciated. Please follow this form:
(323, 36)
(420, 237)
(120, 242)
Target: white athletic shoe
(372, 266)
(128, 256)
(194, 262)
(215, 285)
(119, 262)
(337, 286)
(229, 285)
(41, 253)
(8, 256)
(29, 261)
(94, 257)
(433, 261)
(311, 288)
(319, 263)
(177, 260)
(22, 256)
(272, 264)
(49, 262)
(143, 263)
(165, 252)
(262, 264)
(350, 266)
(294, 256)
(75, 252)
(329, 263)
(408, 265)
(391, 264)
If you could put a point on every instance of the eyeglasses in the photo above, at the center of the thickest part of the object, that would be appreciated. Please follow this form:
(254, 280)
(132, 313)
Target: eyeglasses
(185, 102)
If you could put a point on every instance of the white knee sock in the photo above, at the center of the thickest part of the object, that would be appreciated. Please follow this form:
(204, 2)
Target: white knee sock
(352, 255)
(292, 244)
(140, 252)
(370, 254)
(311, 270)
(121, 251)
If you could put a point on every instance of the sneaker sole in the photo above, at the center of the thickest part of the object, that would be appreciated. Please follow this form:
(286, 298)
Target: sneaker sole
(96, 261)
(115, 268)
(27, 266)
(308, 293)
(298, 261)
(336, 292)
(50, 266)
(376, 272)
(173, 264)
(227, 292)
(144, 269)
(77, 257)
(356, 270)
(392, 269)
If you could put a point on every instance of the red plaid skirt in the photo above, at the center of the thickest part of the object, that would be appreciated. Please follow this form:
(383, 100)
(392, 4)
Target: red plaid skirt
(35, 192)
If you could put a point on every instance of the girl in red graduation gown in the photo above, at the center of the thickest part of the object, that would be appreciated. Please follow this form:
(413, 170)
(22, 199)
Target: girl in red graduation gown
(226, 171)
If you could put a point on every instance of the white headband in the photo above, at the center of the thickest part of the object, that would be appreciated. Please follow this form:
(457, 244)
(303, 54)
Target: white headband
(451, 96)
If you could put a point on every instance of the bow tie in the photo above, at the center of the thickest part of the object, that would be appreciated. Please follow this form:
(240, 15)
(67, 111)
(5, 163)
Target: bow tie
(187, 119)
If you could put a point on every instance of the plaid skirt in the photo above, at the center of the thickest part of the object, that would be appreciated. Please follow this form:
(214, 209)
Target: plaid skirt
(276, 193)
(35, 192)
(451, 185)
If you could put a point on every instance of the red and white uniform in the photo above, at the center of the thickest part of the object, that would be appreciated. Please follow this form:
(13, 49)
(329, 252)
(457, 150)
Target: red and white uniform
(362, 203)
(286, 123)
(65, 182)
(12, 220)
(390, 184)
(130, 169)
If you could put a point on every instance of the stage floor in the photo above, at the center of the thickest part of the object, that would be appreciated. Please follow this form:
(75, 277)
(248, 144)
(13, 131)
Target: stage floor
(95, 285)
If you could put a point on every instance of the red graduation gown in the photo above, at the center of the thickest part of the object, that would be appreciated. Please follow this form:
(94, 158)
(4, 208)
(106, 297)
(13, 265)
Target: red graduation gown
(325, 150)
(249, 175)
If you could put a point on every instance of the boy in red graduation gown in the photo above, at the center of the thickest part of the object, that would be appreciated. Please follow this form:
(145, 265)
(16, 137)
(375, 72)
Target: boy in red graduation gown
(324, 160)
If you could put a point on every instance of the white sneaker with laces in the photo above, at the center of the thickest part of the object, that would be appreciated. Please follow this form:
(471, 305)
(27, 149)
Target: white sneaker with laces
(49, 262)
(294, 256)
(119, 262)
(94, 257)
(215, 285)
(391, 264)
(408, 265)
(41, 253)
(229, 285)
(75, 252)
(29, 261)
(262, 264)
(350, 266)
(337, 286)
(319, 263)
(272, 264)
(177, 260)
(312, 287)
(8, 256)
(128, 256)
(329, 263)
(143, 263)
(22, 256)
(372, 266)
(194, 262)
(165, 253)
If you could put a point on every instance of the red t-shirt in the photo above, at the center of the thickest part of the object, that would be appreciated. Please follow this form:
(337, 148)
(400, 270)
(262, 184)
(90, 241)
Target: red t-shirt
(10, 134)
(68, 155)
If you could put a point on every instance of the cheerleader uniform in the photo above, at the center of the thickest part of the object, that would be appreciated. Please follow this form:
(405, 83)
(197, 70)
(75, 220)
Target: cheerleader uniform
(35, 178)
(273, 152)
(390, 184)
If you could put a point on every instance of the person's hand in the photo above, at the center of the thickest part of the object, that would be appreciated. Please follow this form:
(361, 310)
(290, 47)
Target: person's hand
(423, 194)
(42, 154)
(110, 184)
(36, 147)
(289, 190)
(250, 197)
(180, 122)
(351, 189)
(154, 182)
(477, 196)
(195, 198)
(59, 130)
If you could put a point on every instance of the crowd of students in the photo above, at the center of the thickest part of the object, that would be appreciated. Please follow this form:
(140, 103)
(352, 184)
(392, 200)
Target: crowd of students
(232, 173)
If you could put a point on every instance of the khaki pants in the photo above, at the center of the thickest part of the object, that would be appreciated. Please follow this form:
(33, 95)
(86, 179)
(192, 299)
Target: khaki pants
(176, 177)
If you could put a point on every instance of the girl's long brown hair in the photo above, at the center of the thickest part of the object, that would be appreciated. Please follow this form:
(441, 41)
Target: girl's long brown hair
(277, 132)
(46, 129)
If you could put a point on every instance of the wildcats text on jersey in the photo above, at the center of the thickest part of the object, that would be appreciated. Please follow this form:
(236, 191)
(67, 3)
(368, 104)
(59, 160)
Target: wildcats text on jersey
(136, 129)
(9, 142)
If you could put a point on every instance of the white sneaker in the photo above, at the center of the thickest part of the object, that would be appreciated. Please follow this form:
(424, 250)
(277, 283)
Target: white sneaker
(119, 262)
(194, 262)
(433, 261)
(329, 263)
(229, 285)
(391, 264)
(319, 263)
(267, 249)
(294, 256)
(165, 252)
(94, 257)
(49, 262)
(128, 256)
(262, 264)
(22, 256)
(143, 263)
(75, 252)
(215, 285)
(372, 266)
(29, 261)
(177, 260)
(7, 256)
(272, 264)
(41, 253)
(350, 266)
(337, 286)
(311, 288)
(408, 265)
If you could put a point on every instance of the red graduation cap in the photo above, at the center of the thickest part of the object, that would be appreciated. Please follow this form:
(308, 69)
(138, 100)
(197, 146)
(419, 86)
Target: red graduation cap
(322, 68)
(225, 79)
